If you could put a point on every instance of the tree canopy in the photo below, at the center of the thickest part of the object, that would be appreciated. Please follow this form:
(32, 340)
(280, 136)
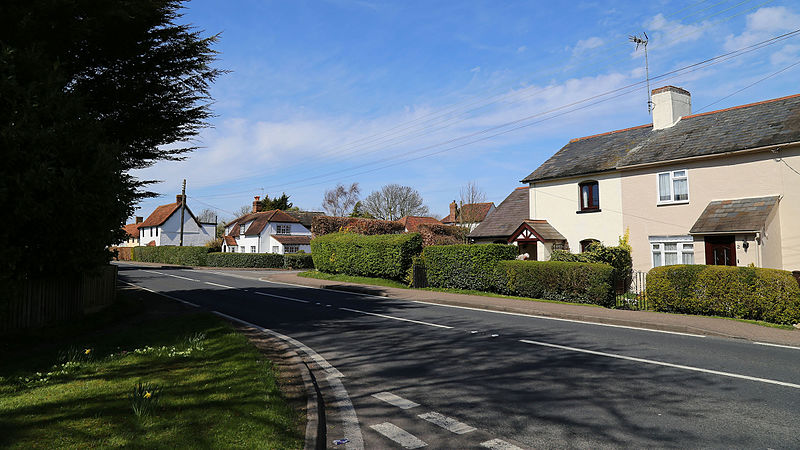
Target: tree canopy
(394, 201)
(338, 201)
(89, 91)
(282, 203)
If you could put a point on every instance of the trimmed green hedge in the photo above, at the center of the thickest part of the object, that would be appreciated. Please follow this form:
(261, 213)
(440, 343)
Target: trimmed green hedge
(465, 266)
(383, 256)
(557, 280)
(740, 292)
(618, 257)
(263, 260)
(187, 256)
(298, 261)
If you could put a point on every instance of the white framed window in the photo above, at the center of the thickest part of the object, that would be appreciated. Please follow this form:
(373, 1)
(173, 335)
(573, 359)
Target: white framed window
(291, 248)
(233, 249)
(252, 249)
(241, 249)
(673, 186)
(241, 228)
(276, 249)
(670, 250)
(283, 229)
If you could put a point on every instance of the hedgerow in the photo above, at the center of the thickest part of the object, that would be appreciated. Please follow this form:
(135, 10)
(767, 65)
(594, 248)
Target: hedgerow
(322, 225)
(769, 295)
(438, 234)
(383, 256)
(557, 280)
(187, 256)
(298, 261)
(618, 257)
(464, 266)
(262, 260)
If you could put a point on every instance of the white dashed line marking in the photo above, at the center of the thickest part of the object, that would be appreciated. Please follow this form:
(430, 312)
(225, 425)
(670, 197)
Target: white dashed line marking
(499, 444)
(281, 296)
(396, 318)
(448, 423)
(399, 435)
(665, 364)
(219, 285)
(777, 345)
(170, 275)
(395, 400)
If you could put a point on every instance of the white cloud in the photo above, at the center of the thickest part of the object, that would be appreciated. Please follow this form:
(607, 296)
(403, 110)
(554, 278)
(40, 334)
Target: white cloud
(586, 44)
(763, 24)
(787, 54)
(665, 33)
(521, 49)
(475, 69)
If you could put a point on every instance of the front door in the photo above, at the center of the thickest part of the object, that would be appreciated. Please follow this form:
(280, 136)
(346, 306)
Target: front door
(529, 248)
(720, 251)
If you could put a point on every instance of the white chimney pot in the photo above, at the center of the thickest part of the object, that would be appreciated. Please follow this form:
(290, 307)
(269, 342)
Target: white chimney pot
(670, 103)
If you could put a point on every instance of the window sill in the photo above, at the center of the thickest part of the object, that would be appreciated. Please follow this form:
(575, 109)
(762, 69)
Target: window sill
(588, 211)
(683, 202)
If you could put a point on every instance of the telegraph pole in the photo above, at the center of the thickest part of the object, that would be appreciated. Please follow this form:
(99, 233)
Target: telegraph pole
(183, 207)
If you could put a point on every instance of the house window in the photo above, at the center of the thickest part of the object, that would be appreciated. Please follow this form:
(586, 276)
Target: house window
(151, 231)
(670, 250)
(276, 249)
(156, 231)
(233, 249)
(241, 249)
(589, 196)
(283, 229)
(291, 248)
(241, 228)
(673, 186)
(586, 243)
(252, 249)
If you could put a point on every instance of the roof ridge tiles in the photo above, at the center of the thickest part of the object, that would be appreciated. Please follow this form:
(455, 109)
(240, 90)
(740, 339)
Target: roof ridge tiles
(609, 132)
(740, 106)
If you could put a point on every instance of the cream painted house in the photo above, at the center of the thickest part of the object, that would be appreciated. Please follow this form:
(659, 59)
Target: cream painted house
(721, 187)
(266, 232)
(163, 227)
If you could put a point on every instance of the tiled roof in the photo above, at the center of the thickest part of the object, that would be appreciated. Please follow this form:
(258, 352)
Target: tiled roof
(476, 212)
(230, 240)
(761, 124)
(727, 216)
(506, 217)
(260, 221)
(305, 217)
(160, 215)
(545, 230)
(412, 223)
(292, 240)
(132, 229)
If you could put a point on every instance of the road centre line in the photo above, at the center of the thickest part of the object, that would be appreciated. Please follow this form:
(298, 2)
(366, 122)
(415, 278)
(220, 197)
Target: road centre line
(341, 403)
(777, 345)
(280, 296)
(221, 285)
(170, 275)
(397, 318)
(395, 400)
(558, 319)
(399, 435)
(162, 294)
(448, 423)
(665, 364)
(499, 444)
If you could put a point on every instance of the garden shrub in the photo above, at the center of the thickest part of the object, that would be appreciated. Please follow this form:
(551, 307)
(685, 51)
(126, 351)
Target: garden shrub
(187, 256)
(322, 225)
(255, 260)
(769, 295)
(557, 280)
(383, 256)
(298, 261)
(618, 257)
(438, 234)
(465, 266)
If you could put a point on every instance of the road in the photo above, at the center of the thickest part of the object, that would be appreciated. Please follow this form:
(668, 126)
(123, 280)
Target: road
(419, 374)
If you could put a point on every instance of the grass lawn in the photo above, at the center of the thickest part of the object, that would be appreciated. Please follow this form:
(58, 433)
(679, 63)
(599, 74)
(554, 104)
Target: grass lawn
(203, 384)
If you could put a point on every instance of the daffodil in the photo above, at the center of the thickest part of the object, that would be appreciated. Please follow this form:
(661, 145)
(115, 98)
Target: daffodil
(147, 395)
(87, 351)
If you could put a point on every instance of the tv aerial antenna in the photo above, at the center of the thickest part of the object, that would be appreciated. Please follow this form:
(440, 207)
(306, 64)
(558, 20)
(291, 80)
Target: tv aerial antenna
(641, 41)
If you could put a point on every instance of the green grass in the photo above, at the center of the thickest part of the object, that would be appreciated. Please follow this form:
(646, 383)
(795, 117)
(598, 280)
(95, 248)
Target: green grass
(215, 389)
(351, 279)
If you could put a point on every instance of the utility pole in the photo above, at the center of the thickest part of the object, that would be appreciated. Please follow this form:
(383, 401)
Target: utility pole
(183, 207)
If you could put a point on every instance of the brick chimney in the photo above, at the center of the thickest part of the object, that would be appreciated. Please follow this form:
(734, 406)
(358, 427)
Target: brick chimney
(256, 204)
(139, 219)
(670, 103)
(454, 210)
(178, 199)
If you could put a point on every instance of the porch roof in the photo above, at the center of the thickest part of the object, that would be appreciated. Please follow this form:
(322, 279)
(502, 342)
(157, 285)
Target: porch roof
(737, 215)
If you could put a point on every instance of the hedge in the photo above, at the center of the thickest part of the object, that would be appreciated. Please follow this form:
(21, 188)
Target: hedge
(383, 256)
(263, 260)
(439, 234)
(187, 256)
(465, 266)
(298, 261)
(557, 280)
(750, 293)
(322, 225)
(618, 257)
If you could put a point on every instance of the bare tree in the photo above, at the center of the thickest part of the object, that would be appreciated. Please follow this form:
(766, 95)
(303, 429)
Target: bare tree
(340, 200)
(243, 210)
(207, 216)
(394, 201)
(470, 194)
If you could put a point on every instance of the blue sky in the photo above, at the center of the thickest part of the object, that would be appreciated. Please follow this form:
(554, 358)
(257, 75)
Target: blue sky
(417, 93)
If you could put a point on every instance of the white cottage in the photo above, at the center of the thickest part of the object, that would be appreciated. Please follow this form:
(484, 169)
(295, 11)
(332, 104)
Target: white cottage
(266, 232)
(163, 227)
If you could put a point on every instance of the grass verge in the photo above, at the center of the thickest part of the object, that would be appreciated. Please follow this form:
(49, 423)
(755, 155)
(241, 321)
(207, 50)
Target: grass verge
(351, 279)
(194, 381)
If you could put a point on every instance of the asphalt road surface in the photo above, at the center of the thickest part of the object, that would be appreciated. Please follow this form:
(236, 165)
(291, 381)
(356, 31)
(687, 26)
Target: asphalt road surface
(418, 374)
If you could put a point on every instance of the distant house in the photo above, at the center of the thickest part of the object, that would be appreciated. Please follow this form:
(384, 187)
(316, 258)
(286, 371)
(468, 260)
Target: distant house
(266, 232)
(163, 227)
(720, 187)
(412, 223)
(131, 233)
(469, 215)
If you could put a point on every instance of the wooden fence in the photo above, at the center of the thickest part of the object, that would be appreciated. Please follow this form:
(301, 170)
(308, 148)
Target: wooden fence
(37, 303)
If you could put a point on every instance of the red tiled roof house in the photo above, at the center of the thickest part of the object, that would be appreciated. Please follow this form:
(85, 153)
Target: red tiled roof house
(266, 232)
(163, 227)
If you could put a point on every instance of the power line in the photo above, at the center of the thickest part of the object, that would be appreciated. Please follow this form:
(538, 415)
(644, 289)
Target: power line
(750, 85)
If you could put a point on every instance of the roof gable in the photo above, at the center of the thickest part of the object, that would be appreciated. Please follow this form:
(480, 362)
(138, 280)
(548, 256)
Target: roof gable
(506, 217)
(475, 212)
(160, 215)
(259, 220)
